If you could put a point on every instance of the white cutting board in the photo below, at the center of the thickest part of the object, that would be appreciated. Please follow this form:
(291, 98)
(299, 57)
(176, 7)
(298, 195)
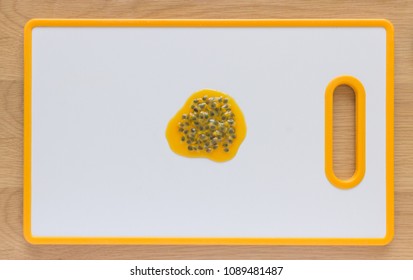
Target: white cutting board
(98, 168)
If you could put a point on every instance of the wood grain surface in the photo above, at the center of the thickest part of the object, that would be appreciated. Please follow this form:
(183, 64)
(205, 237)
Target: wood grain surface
(13, 16)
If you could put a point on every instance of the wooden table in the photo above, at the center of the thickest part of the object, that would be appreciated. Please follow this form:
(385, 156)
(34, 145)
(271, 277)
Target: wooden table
(13, 16)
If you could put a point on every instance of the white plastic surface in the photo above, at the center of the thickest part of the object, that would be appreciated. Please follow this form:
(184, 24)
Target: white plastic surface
(101, 101)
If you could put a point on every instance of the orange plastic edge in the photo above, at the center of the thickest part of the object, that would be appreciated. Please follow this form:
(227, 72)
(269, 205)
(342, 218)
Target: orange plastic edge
(30, 25)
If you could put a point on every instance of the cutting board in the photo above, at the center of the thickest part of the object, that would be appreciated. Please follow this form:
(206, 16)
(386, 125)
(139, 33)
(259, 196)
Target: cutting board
(98, 97)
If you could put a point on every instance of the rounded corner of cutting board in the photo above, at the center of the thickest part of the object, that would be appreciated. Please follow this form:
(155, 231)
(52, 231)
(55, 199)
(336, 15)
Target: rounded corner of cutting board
(388, 25)
(388, 238)
(31, 24)
(27, 234)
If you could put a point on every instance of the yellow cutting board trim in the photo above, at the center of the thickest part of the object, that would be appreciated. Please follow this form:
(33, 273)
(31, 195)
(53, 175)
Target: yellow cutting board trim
(210, 23)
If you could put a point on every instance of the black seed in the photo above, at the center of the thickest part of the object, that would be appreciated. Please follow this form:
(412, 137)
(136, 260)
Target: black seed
(225, 100)
(183, 138)
(181, 129)
(226, 150)
(190, 148)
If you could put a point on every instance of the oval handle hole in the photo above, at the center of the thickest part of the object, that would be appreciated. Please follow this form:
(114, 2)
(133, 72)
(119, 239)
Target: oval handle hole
(344, 132)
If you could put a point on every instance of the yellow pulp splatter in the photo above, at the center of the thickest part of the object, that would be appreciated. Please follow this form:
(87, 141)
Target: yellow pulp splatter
(209, 125)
